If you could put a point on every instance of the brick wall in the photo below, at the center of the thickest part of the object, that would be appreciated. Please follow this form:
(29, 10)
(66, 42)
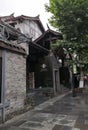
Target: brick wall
(31, 80)
(15, 81)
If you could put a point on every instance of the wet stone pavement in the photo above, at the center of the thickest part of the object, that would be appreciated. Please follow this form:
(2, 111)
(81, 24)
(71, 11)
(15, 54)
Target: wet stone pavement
(63, 112)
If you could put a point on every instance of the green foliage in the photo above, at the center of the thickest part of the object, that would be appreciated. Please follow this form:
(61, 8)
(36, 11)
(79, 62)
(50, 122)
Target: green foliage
(71, 18)
(55, 45)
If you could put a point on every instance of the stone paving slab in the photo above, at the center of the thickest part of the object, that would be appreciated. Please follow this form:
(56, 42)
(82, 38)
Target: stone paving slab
(60, 113)
(47, 121)
(17, 128)
(57, 127)
(14, 128)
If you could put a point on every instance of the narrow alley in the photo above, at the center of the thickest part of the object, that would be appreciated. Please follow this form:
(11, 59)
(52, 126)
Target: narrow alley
(63, 112)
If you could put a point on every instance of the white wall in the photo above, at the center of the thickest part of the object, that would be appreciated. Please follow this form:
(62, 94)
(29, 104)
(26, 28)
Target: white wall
(30, 28)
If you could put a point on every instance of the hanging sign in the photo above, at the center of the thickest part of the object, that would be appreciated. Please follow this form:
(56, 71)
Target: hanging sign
(74, 69)
(81, 84)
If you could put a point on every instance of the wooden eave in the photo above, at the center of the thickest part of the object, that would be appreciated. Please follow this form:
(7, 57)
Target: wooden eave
(9, 46)
(39, 47)
(49, 35)
(16, 33)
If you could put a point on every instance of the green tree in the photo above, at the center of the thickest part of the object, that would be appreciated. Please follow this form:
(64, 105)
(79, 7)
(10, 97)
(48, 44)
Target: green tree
(71, 18)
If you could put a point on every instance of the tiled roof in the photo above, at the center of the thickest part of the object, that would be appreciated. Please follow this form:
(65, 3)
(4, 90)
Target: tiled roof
(28, 40)
(48, 32)
(22, 17)
(4, 18)
(9, 46)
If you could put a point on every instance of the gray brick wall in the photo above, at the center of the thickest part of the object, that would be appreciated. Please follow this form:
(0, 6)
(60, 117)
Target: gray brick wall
(15, 81)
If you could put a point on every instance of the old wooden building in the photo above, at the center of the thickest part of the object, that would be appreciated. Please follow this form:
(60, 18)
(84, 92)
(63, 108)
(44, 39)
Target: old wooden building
(26, 60)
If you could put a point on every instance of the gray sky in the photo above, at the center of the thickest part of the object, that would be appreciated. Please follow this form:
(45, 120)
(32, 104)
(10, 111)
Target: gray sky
(25, 7)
